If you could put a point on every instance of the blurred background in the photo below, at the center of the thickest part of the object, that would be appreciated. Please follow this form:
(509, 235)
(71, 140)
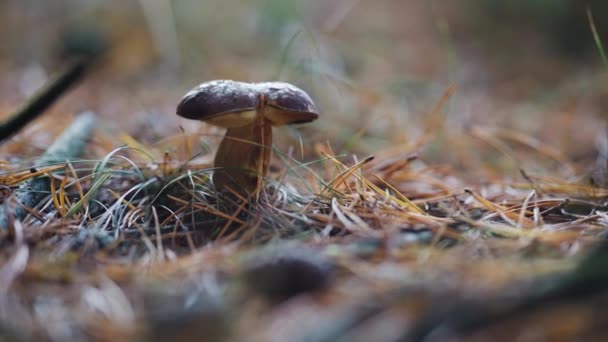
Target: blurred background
(478, 90)
(375, 68)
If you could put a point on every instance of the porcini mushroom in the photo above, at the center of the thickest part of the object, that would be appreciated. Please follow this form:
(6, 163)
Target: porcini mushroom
(248, 111)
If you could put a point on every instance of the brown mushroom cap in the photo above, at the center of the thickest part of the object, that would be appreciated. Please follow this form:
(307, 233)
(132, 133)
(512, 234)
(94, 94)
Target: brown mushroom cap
(287, 104)
(222, 103)
(232, 104)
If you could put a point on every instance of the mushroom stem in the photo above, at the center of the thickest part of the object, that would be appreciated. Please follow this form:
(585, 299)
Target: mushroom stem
(243, 157)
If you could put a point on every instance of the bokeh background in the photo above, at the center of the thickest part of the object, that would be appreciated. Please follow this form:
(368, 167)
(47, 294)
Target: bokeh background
(487, 94)
(375, 68)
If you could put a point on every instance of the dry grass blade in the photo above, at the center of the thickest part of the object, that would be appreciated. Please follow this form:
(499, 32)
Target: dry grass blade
(596, 37)
(207, 209)
(506, 213)
(435, 120)
(535, 144)
(340, 179)
(401, 199)
(352, 222)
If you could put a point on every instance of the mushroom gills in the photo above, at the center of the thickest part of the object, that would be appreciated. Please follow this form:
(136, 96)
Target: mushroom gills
(233, 120)
(280, 117)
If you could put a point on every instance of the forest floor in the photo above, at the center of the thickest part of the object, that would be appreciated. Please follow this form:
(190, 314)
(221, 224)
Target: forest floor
(469, 206)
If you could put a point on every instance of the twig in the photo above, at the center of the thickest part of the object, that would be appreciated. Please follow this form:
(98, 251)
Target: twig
(44, 98)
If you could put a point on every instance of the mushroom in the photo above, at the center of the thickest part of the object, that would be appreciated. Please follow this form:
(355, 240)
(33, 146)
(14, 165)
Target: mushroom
(248, 111)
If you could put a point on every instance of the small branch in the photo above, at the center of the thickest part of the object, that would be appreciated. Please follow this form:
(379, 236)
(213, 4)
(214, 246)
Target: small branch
(68, 146)
(44, 98)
